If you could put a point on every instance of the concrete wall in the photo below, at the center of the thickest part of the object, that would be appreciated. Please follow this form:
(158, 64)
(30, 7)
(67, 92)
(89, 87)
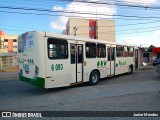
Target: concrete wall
(82, 27)
(106, 30)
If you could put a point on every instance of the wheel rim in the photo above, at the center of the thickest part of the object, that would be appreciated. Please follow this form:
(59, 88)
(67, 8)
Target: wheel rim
(94, 78)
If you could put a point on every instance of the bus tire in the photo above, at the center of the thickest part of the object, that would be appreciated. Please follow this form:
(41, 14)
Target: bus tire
(130, 70)
(94, 78)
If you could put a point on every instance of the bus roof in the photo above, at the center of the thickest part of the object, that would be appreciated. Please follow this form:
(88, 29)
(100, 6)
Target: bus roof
(77, 38)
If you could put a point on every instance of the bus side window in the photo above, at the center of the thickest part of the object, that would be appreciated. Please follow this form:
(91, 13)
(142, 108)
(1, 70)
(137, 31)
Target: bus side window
(72, 50)
(125, 49)
(101, 50)
(90, 50)
(57, 48)
(131, 51)
(119, 51)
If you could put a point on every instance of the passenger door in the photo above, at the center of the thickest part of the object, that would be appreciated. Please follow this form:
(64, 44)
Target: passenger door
(111, 61)
(76, 61)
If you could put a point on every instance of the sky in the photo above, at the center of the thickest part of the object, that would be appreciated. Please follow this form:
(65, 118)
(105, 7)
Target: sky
(136, 21)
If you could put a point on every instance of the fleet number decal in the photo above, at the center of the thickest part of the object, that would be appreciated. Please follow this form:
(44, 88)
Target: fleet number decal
(56, 67)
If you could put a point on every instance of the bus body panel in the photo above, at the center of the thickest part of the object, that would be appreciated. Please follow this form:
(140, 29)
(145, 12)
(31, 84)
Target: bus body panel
(57, 70)
(123, 64)
(31, 69)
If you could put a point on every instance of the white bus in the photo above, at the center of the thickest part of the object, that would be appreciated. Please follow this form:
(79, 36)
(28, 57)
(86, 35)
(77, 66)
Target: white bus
(48, 60)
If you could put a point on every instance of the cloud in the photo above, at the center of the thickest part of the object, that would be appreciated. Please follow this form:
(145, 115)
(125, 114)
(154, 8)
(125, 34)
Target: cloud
(133, 40)
(156, 34)
(78, 8)
(145, 41)
(59, 24)
(140, 2)
(57, 8)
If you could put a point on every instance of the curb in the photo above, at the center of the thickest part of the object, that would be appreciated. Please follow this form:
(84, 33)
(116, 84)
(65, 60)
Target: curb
(6, 78)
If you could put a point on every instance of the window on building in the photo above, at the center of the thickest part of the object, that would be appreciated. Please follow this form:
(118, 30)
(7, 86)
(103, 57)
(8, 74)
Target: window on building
(57, 48)
(131, 51)
(125, 49)
(101, 50)
(90, 50)
(92, 28)
(119, 51)
(93, 37)
(5, 40)
(15, 46)
(5, 46)
(14, 40)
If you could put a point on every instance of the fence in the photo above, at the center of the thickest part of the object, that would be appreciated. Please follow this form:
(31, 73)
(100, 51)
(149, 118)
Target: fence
(8, 61)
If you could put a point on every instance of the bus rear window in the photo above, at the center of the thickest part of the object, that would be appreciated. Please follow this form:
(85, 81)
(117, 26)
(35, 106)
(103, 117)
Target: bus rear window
(25, 43)
(57, 48)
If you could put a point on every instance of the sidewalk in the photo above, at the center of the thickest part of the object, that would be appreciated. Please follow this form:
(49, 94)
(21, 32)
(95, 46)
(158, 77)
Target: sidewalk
(147, 67)
(8, 75)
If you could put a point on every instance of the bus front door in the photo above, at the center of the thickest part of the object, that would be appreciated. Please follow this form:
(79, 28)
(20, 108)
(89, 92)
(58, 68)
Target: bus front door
(76, 60)
(111, 61)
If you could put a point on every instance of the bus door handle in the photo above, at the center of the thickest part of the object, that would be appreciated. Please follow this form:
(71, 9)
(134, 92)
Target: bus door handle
(79, 72)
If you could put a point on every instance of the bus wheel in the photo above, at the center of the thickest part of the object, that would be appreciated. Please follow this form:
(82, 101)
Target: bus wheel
(130, 70)
(94, 78)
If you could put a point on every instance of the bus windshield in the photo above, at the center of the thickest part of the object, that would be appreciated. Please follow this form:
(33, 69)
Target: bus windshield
(25, 43)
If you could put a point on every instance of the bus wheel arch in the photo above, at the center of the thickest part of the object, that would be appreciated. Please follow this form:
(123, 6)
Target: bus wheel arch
(130, 69)
(94, 77)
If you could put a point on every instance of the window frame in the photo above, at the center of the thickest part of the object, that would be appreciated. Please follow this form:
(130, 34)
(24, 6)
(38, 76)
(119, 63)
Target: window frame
(5, 40)
(57, 41)
(14, 40)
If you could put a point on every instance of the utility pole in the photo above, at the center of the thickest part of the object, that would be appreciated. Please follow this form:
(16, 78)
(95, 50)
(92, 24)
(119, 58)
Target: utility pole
(75, 30)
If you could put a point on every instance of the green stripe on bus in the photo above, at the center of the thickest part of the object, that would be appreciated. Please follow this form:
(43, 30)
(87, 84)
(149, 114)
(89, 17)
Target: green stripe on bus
(39, 82)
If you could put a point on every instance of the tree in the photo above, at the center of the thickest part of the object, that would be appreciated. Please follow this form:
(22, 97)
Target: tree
(151, 48)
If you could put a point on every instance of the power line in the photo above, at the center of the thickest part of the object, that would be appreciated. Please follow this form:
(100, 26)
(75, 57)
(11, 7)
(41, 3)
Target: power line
(63, 11)
(72, 16)
(122, 5)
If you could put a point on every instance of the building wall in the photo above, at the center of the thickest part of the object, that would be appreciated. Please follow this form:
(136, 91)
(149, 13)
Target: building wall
(94, 29)
(106, 30)
(8, 43)
(82, 27)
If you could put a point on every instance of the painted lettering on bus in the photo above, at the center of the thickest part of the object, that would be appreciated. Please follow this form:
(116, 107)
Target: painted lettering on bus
(30, 61)
(56, 67)
(122, 62)
(101, 64)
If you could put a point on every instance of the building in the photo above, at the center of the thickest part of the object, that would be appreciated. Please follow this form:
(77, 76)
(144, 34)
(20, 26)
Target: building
(94, 29)
(8, 43)
(156, 52)
(8, 50)
(145, 55)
